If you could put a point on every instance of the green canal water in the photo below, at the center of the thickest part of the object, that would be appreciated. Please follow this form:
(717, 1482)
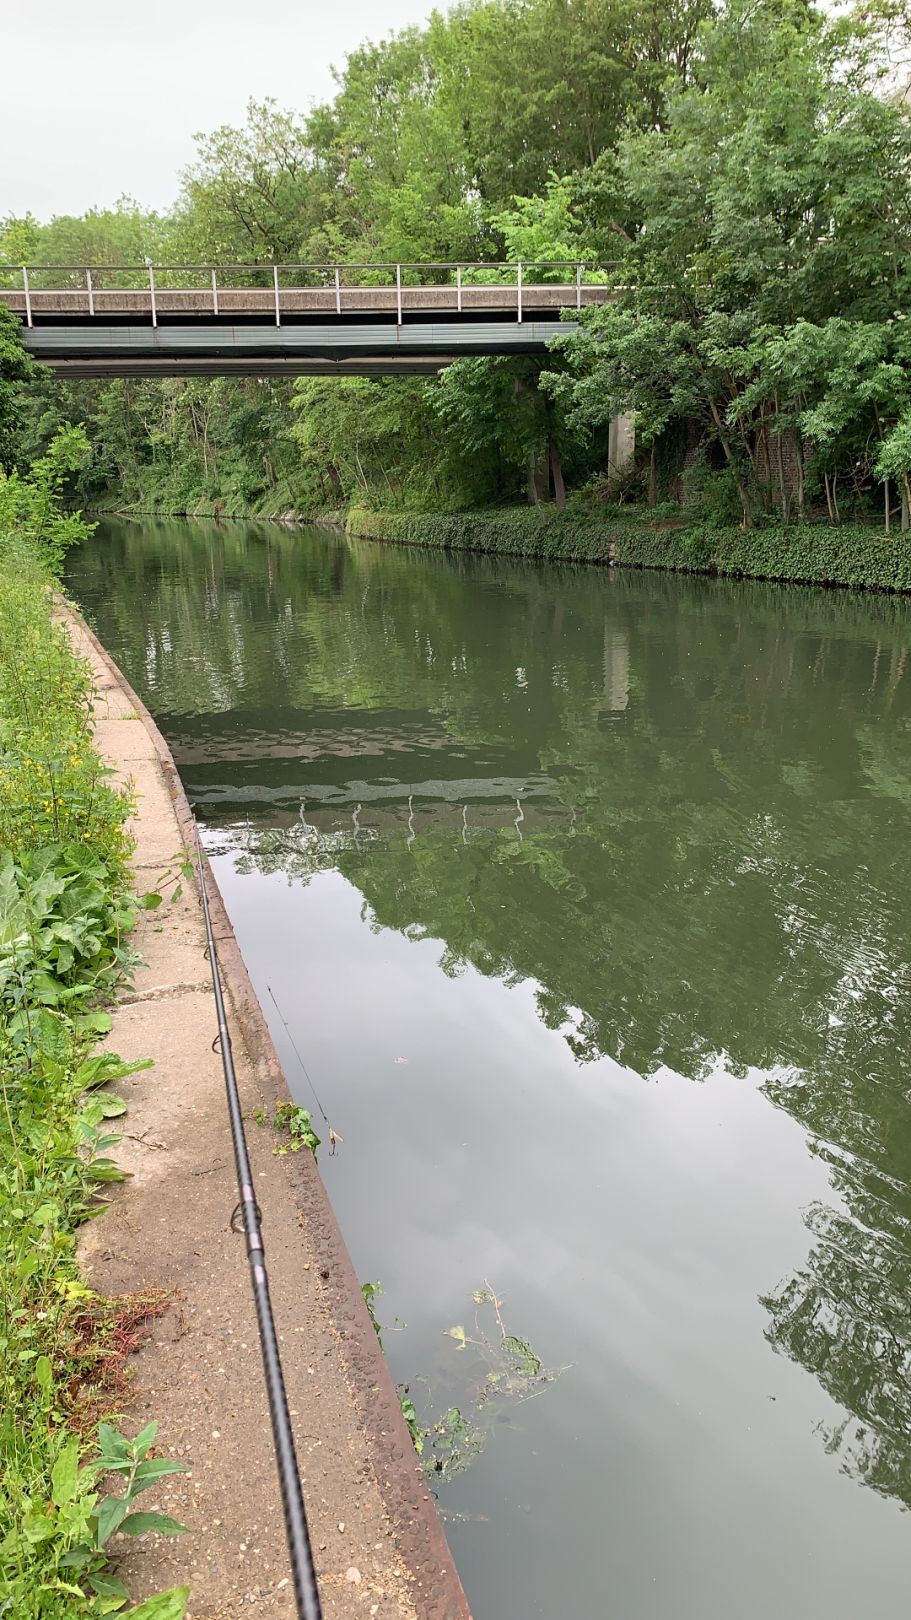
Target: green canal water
(585, 897)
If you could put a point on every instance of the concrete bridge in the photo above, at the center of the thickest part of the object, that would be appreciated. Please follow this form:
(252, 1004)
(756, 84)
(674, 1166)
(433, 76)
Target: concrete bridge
(355, 320)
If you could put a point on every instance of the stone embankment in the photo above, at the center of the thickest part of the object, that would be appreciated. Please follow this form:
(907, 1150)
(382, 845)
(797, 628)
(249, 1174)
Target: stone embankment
(379, 1547)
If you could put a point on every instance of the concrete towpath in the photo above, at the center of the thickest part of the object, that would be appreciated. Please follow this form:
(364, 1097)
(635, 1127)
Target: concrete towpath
(378, 1544)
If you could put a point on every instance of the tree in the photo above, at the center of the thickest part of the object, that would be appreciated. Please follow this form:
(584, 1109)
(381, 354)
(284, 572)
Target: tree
(498, 412)
(17, 368)
(254, 194)
(776, 199)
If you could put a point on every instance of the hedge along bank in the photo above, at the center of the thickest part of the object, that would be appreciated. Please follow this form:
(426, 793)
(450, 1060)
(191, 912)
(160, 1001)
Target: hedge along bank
(65, 912)
(808, 553)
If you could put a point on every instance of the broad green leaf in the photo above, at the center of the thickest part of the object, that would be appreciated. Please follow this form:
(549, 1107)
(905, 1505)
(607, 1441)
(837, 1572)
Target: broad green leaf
(156, 1468)
(138, 1524)
(64, 1473)
(96, 1023)
(111, 1512)
(145, 1438)
(170, 1605)
(77, 1556)
(112, 1442)
(107, 1585)
(112, 1107)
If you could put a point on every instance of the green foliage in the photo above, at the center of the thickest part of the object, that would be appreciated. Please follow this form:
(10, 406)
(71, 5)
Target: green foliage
(371, 1291)
(33, 526)
(253, 195)
(764, 239)
(411, 1421)
(65, 909)
(16, 369)
(294, 1122)
(121, 235)
(64, 1539)
(545, 232)
(851, 554)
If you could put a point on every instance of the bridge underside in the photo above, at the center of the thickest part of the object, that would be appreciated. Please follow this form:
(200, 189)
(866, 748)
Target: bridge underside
(209, 348)
(231, 366)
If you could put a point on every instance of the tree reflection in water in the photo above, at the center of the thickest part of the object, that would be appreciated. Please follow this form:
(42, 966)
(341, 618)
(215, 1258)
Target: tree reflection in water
(710, 860)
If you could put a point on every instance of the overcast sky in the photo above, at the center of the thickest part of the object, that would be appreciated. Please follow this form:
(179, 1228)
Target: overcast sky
(104, 97)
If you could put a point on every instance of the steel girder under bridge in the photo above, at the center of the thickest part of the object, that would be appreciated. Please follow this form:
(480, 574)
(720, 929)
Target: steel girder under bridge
(355, 320)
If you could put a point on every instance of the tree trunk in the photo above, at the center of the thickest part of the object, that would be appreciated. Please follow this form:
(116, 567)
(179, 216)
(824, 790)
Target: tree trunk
(652, 478)
(556, 473)
(825, 478)
(731, 461)
(906, 504)
(886, 502)
(779, 458)
(534, 498)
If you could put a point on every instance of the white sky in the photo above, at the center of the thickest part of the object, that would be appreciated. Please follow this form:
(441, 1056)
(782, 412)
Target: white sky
(104, 97)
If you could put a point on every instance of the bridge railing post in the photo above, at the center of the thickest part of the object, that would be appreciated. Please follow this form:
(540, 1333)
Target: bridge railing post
(152, 295)
(578, 286)
(519, 291)
(278, 310)
(338, 292)
(28, 296)
(459, 288)
(214, 292)
(398, 294)
(90, 290)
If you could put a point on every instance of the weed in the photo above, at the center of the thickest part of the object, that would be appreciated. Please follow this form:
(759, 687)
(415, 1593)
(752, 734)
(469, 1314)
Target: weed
(501, 1370)
(178, 872)
(295, 1121)
(411, 1420)
(372, 1291)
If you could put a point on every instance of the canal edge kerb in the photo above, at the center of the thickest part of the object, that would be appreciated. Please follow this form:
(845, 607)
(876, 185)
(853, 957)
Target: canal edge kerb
(437, 1593)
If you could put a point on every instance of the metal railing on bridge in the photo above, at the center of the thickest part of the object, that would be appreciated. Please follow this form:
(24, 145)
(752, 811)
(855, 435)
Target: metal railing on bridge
(97, 286)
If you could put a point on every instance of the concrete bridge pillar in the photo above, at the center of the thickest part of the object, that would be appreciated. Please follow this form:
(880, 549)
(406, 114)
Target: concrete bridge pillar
(621, 442)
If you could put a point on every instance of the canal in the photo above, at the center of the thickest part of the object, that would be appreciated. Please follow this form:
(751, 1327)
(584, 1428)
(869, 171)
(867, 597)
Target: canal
(577, 902)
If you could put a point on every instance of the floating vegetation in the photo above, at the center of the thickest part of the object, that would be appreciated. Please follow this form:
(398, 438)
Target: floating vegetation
(501, 1371)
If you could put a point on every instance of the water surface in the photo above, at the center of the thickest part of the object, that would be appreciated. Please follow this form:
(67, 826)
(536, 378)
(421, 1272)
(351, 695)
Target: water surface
(584, 895)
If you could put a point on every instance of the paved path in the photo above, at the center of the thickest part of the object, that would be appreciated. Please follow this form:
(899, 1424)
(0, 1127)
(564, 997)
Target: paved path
(378, 1544)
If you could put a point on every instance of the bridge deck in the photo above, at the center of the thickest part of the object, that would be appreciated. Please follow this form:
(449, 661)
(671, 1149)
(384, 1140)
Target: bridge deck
(115, 302)
(79, 324)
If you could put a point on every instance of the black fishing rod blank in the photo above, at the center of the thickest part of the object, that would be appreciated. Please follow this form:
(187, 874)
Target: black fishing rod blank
(305, 1587)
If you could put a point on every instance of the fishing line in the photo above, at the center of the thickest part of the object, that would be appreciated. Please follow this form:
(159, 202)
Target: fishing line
(297, 1054)
(301, 1555)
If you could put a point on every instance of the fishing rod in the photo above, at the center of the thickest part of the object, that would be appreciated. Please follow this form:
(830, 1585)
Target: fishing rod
(305, 1587)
